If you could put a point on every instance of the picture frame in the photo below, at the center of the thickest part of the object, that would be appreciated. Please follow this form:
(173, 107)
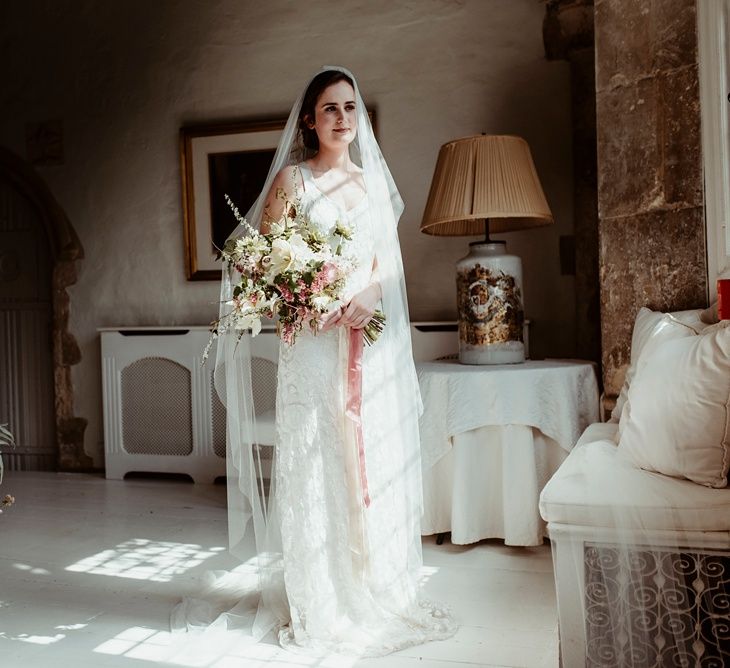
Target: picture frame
(216, 160)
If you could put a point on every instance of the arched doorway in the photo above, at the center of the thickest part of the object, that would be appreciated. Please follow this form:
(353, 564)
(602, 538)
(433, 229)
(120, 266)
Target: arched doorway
(38, 251)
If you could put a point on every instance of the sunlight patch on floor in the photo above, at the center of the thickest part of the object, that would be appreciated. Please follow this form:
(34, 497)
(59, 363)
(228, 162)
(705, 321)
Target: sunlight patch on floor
(138, 642)
(31, 569)
(143, 559)
(34, 640)
(224, 651)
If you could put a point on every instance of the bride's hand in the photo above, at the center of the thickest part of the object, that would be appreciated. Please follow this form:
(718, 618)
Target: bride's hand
(329, 320)
(361, 308)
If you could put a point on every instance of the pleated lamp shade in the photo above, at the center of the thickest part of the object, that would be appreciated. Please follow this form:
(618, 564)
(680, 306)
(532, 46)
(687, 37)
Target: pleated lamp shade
(486, 177)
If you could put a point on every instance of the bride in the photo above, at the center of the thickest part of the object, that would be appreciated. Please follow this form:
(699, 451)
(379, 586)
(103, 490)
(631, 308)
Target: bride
(330, 521)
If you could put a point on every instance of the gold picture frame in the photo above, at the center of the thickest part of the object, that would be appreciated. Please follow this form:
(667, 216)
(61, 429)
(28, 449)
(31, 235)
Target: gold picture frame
(219, 159)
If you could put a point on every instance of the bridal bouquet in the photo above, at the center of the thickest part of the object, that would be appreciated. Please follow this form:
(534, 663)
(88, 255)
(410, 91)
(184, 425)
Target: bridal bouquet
(292, 272)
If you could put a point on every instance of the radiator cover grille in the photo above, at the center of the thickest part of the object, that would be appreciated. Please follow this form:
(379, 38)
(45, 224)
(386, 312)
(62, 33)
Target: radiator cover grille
(156, 408)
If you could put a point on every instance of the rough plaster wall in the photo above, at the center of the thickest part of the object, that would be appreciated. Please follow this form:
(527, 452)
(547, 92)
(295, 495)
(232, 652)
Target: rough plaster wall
(125, 76)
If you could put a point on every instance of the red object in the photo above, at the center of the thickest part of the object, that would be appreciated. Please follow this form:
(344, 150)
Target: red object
(354, 402)
(723, 298)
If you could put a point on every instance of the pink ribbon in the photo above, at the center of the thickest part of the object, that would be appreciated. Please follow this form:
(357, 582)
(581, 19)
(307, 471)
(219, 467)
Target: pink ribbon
(354, 401)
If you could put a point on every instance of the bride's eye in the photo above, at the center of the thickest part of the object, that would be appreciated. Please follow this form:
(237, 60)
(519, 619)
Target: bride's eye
(350, 107)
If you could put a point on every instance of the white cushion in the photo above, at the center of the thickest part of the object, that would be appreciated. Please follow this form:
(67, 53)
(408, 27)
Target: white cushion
(676, 421)
(691, 317)
(650, 329)
(596, 487)
(598, 431)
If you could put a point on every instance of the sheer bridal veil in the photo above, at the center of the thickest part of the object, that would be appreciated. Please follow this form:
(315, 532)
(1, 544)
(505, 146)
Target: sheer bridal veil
(253, 601)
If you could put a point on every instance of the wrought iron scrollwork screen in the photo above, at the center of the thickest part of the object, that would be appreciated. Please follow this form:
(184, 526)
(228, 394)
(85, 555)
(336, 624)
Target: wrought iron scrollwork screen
(651, 607)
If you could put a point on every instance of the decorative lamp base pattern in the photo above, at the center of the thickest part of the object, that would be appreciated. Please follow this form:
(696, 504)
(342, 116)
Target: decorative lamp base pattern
(489, 297)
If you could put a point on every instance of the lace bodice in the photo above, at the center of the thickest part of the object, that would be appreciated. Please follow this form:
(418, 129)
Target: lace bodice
(324, 214)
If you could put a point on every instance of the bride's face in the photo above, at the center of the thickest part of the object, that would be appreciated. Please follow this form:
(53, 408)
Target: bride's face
(335, 116)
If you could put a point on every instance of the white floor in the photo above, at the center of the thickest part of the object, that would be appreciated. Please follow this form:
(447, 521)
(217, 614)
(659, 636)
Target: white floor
(90, 568)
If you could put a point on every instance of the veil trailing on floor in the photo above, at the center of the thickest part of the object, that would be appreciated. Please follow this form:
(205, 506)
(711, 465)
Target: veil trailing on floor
(259, 605)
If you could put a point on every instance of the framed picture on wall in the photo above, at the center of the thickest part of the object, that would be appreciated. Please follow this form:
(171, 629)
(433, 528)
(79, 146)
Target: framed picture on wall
(226, 159)
(229, 159)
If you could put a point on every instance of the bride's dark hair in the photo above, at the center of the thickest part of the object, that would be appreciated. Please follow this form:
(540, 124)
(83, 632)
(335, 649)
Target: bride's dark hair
(314, 90)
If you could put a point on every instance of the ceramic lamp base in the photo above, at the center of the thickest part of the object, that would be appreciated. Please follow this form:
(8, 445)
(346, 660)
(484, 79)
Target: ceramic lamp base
(491, 316)
(512, 352)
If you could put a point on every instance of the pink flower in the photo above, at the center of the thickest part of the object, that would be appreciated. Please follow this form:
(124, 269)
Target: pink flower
(285, 292)
(329, 272)
(325, 276)
(288, 334)
(304, 290)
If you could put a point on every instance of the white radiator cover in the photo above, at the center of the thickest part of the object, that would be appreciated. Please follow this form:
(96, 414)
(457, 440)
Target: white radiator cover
(161, 411)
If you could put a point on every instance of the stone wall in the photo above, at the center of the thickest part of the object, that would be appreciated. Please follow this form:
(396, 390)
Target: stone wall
(650, 198)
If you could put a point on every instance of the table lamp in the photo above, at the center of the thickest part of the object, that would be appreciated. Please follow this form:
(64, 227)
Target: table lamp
(481, 184)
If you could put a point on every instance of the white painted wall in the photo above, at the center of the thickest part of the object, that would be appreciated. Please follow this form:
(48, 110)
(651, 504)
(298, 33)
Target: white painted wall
(713, 23)
(124, 76)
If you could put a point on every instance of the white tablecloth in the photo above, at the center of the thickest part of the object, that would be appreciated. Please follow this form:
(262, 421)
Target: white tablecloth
(491, 437)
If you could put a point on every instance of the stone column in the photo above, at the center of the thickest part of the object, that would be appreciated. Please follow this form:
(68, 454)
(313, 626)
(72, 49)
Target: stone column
(650, 200)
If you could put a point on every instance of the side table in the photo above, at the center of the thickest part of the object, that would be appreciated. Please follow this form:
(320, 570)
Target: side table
(491, 438)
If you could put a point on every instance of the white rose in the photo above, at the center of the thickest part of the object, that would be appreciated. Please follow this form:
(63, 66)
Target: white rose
(259, 247)
(242, 306)
(242, 321)
(281, 256)
(297, 242)
(321, 302)
(251, 322)
(301, 253)
(276, 228)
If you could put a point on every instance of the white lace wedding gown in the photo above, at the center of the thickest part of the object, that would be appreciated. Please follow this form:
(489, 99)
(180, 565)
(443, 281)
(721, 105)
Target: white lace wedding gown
(351, 573)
